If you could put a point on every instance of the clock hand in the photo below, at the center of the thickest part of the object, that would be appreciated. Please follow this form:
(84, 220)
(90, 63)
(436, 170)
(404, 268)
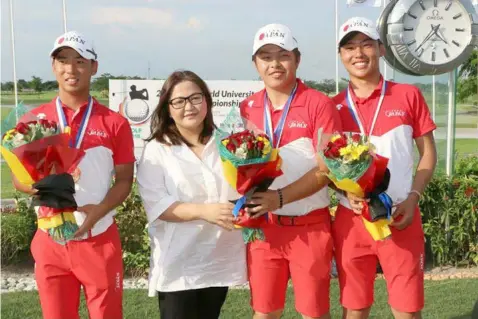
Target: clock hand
(432, 32)
(439, 34)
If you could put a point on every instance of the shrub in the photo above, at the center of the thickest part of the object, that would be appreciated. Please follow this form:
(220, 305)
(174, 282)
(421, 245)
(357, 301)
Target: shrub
(18, 229)
(131, 220)
(450, 216)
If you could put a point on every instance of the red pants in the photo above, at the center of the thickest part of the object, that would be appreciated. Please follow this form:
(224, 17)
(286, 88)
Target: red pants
(302, 253)
(401, 258)
(94, 263)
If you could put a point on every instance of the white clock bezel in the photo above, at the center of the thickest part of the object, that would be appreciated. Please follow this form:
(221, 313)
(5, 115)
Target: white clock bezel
(382, 27)
(401, 51)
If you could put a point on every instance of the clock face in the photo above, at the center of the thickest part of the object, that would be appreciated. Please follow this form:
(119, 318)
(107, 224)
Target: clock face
(428, 36)
(436, 31)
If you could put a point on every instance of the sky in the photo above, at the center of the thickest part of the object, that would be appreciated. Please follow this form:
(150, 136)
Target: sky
(210, 37)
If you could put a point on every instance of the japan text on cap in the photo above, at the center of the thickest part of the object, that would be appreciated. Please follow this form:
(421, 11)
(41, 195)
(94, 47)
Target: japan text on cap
(77, 42)
(277, 34)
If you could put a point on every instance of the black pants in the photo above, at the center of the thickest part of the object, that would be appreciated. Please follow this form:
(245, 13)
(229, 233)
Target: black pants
(203, 303)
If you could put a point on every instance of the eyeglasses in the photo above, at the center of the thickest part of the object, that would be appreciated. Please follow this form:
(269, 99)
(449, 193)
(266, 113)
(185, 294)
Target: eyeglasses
(180, 102)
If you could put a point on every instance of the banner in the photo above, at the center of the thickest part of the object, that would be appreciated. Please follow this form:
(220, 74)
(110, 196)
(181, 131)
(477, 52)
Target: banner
(370, 3)
(136, 100)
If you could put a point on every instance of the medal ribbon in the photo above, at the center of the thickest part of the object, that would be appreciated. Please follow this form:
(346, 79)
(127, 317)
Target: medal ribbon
(276, 137)
(84, 121)
(354, 112)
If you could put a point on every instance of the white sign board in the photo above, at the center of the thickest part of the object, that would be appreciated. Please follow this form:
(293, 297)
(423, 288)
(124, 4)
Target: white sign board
(137, 99)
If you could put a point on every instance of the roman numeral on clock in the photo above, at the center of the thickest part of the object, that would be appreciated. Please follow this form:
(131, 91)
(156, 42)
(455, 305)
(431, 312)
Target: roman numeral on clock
(457, 16)
(460, 30)
(411, 42)
(422, 5)
(433, 56)
(408, 29)
(411, 15)
(455, 43)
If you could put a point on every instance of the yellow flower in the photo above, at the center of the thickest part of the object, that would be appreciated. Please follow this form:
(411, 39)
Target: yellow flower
(224, 142)
(344, 151)
(260, 139)
(353, 152)
(335, 137)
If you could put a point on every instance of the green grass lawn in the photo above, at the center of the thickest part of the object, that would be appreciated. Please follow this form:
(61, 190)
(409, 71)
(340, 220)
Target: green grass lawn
(450, 299)
(8, 98)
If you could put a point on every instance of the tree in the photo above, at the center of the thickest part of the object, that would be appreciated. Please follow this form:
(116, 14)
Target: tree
(469, 67)
(468, 78)
(50, 86)
(36, 84)
(22, 84)
(8, 86)
(327, 86)
(101, 83)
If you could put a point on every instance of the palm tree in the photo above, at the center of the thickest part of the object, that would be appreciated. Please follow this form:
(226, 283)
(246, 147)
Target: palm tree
(470, 67)
(468, 78)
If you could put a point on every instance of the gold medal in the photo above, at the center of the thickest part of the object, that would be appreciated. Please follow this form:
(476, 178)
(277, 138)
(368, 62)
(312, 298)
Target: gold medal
(76, 174)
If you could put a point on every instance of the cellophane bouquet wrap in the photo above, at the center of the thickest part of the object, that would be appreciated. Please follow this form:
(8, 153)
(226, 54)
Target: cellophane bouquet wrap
(39, 155)
(250, 165)
(354, 167)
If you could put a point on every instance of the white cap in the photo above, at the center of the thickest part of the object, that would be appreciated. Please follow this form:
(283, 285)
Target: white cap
(277, 34)
(76, 41)
(358, 24)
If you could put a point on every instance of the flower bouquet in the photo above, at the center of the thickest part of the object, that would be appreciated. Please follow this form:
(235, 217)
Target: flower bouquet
(355, 168)
(39, 155)
(250, 165)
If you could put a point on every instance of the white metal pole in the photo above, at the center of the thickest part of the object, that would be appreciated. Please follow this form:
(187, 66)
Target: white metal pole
(384, 4)
(433, 99)
(335, 46)
(64, 15)
(13, 60)
(450, 135)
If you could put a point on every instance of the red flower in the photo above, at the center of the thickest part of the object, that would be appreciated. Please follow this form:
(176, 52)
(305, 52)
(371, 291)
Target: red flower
(22, 128)
(231, 147)
(340, 142)
(356, 138)
(250, 146)
(44, 123)
(53, 125)
(332, 152)
(260, 145)
(469, 191)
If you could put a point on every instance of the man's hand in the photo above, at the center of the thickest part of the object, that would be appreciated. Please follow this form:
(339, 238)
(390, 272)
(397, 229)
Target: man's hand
(93, 214)
(266, 202)
(406, 209)
(356, 203)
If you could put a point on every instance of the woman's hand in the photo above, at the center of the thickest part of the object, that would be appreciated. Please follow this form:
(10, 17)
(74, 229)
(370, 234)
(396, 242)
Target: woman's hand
(219, 214)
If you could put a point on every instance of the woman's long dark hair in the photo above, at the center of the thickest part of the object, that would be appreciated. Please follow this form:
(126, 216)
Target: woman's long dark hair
(163, 128)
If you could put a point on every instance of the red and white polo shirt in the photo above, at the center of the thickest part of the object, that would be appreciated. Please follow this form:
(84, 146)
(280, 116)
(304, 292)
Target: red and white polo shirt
(108, 141)
(309, 111)
(403, 116)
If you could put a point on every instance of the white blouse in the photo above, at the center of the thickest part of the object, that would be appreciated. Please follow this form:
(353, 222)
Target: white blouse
(195, 254)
